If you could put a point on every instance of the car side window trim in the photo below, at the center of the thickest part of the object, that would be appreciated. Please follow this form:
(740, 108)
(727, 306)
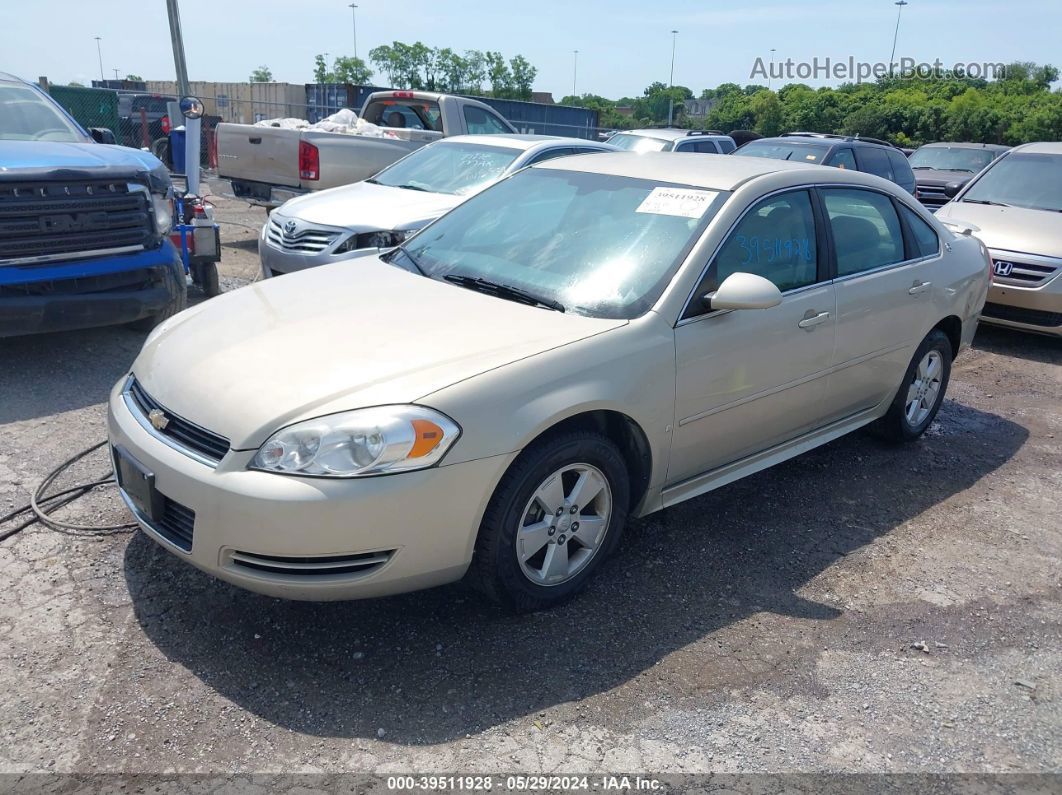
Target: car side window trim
(820, 273)
(823, 237)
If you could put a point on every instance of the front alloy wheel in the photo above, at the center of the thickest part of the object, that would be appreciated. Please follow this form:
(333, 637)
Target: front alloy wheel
(563, 524)
(555, 516)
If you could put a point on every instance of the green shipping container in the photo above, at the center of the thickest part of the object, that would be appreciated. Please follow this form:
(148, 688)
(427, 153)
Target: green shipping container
(91, 107)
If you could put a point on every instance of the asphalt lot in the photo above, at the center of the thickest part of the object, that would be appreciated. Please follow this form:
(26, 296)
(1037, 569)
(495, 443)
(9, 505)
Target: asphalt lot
(862, 608)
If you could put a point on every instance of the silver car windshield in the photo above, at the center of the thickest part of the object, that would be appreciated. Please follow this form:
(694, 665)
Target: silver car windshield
(455, 168)
(639, 143)
(596, 244)
(1026, 180)
(27, 116)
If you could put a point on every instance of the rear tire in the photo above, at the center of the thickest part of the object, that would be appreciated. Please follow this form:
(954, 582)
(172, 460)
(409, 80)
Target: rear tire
(529, 553)
(177, 287)
(921, 392)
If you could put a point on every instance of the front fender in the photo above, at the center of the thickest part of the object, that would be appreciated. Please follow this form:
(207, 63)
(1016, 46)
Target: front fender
(629, 370)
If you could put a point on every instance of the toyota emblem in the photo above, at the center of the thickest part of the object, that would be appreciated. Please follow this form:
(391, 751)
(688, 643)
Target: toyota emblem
(290, 227)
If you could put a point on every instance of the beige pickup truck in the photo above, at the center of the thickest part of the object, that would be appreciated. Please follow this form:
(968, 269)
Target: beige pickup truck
(269, 165)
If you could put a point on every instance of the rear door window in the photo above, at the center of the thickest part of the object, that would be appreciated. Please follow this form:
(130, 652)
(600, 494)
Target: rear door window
(927, 244)
(482, 122)
(874, 161)
(866, 229)
(842, 158)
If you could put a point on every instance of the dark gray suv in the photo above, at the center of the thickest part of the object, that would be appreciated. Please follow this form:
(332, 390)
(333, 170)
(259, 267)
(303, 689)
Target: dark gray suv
(858, 154)
(935, 165)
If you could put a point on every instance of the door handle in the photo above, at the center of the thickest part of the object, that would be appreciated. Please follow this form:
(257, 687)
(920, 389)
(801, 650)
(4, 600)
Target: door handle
(919, 287)
(254, 140)
(810, 320)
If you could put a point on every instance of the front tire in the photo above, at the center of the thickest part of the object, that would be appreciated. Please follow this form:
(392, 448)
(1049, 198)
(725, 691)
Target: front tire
(921, 392)
(554, 518)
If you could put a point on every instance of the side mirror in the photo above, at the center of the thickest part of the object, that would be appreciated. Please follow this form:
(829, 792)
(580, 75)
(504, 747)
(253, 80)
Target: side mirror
(951, 190)
(102, 135)
(744, 291)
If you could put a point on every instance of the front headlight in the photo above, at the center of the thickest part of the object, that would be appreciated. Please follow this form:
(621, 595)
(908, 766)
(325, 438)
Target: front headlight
(163, 206)
(359, 443)
(373, 240)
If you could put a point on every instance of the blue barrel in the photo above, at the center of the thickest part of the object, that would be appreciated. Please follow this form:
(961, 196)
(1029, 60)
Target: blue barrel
(177, 150)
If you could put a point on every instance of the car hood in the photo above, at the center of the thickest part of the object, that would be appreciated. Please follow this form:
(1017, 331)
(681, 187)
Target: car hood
(1010, 228)
(333, 338)
(90, 159)
(364, 207)
(931, 176)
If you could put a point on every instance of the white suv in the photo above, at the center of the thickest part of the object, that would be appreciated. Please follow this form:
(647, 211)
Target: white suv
(671, 139)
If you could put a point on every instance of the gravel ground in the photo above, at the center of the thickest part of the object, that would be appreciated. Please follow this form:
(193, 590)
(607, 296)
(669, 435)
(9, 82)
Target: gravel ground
(862, 608)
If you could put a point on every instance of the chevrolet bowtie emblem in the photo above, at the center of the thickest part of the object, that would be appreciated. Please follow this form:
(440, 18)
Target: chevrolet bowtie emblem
(158, 419)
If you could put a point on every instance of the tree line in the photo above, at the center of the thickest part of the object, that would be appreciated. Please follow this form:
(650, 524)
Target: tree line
(1017, 108)
(422, 68)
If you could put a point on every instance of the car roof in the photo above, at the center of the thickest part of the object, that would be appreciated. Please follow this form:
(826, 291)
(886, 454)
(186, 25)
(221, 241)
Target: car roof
(670, 133)
(1040, 148)
(965, 145)
(713, 172)
(520, 141)
(10, 78)
(821, 140)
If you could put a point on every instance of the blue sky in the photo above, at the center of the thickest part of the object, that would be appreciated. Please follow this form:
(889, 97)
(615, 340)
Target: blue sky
(623, 44)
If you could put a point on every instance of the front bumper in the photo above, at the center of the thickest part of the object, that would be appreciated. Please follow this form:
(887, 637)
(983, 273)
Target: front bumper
(1037, 309)
(281, 535)
(276, 262)
(85, 293)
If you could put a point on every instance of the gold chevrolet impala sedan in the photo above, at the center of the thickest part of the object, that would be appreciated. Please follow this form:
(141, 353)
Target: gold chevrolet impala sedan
(591, 339)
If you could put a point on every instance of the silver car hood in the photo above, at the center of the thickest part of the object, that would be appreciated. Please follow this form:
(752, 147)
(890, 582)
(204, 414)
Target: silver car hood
(333, 338)
(364, 207)
(1010, 228)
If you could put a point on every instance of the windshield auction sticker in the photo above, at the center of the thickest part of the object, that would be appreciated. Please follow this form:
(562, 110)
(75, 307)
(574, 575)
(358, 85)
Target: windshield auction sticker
(684, 202)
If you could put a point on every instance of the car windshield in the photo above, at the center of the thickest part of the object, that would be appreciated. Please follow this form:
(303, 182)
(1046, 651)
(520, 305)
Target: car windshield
(597, 244)
(1026, 180)
(952, 158)
(639, 143)
(784, 150)
(456, 168)
(27, 116)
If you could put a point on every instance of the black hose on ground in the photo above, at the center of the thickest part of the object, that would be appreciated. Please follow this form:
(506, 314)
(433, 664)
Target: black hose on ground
(42, 506)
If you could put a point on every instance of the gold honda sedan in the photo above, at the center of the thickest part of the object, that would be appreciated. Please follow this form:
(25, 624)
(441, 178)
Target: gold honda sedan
(590, 340)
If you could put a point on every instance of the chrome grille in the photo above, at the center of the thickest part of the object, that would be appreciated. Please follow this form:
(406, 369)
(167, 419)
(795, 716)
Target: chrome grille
(1025, 271)
(304, 240)
(311, 567)
(76, 217)
(184, 435)
(932, 196)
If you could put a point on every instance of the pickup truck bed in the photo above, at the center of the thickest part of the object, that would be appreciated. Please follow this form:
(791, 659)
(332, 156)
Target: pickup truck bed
(269, 165)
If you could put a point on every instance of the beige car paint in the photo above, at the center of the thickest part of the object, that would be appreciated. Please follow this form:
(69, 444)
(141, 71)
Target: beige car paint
(716, 398)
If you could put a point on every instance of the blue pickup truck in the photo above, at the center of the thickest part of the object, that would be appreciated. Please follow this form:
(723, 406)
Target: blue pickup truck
(83, 225)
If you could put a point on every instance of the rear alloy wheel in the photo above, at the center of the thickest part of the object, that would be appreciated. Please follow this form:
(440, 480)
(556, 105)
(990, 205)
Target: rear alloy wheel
(920, 395)
(554, 517)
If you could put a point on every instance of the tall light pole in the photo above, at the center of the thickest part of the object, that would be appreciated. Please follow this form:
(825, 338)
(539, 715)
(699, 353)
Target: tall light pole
(354, 20)
(99, 54)
(180, 66)
(770, 74)
(575, 70)
(899, 5)
(671, 80)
